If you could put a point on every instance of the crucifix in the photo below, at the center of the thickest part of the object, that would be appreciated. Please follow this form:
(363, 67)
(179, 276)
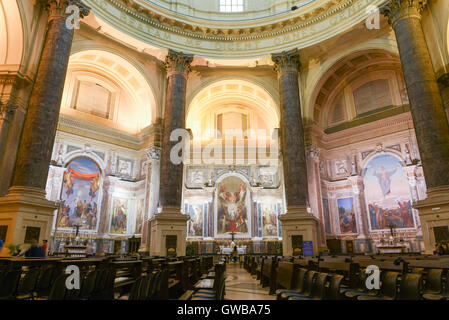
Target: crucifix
(232, 235)
(77, 229)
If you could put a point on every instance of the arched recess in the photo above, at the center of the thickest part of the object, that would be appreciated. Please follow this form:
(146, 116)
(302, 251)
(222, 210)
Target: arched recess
(105, 88)
(231, 96)
(336, 91)
(12, 34)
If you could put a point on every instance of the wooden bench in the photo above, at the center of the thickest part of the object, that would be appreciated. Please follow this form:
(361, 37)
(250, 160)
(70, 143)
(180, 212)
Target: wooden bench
(268, 274)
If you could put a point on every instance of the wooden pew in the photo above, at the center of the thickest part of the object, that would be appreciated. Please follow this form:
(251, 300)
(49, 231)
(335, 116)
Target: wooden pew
(285, 276)
(171, 282)
(349, 270)
(268, 274)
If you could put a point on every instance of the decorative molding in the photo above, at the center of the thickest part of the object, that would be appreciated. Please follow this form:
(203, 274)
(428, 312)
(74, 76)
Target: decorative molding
(150, 23)
(57, 9)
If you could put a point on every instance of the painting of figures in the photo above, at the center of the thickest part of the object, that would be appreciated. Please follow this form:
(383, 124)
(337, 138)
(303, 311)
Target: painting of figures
(119, 216)
(232, 207)
(139, 216)
(387, 194)
(79, 197)
(270, 220)
(346, 215)
(195, 224)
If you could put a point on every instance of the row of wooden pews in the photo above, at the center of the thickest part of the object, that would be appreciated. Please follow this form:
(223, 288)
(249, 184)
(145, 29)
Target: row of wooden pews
(102, 278)
(343, 277)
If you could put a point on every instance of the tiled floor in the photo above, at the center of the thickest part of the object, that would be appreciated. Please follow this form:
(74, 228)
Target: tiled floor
(240, 285)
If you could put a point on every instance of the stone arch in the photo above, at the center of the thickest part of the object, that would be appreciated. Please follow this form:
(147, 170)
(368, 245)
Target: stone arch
(351, 68)
(217, 95)
(122, 78)
(12, 33)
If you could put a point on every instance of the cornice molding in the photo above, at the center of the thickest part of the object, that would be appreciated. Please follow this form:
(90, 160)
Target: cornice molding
(312, 24)
(94, 131)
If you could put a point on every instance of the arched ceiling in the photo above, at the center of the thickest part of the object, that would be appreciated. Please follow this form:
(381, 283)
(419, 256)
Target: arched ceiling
(157, 28)
(343, 72)
(141, 110)
(230, 94)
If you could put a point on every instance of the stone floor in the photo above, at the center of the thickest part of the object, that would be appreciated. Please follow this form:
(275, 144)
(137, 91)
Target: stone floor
(240, 285)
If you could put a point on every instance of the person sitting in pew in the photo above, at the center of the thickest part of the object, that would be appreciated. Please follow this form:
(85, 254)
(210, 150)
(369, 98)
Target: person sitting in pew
(35, 251)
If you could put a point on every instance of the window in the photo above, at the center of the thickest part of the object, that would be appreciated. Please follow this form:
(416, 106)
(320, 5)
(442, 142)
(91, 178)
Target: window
(231, 5)
(372, 95)
(93, 98)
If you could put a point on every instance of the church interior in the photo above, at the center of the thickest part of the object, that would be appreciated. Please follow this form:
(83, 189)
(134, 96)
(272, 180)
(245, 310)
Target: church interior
(224, 149)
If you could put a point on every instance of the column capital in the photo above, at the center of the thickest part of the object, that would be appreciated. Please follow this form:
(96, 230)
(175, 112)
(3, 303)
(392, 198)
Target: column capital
(58, 8)
(396, 10)
(178, 63)
(153, 153)
(287, 61)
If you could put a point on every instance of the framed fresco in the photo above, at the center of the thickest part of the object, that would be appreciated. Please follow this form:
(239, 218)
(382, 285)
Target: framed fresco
(139, 215)
(346, 216)
(80, 195)
(195, 226)
(387, 194)
(233, 208)
(119, 216)
(269, 212)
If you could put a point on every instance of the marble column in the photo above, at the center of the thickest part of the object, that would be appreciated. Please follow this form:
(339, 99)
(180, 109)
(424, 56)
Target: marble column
(27, 193)
(426, 104)
(171, 221)
(178, 66)
(297, 221)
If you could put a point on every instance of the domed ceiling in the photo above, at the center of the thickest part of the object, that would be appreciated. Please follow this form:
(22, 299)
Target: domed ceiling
(197, 26)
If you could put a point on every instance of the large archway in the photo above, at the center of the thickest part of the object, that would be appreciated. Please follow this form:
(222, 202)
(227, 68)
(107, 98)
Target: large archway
(105, 88)
(218, 106)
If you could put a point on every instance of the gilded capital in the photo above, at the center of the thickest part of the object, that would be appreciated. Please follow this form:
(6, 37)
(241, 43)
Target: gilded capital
(287, 61)
(396, 10)
(62, 8)
(178, 62)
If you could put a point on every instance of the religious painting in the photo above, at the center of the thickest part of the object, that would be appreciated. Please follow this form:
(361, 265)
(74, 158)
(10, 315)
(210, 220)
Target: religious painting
(346, 215)
(139, 216)
(80, 195)
(326, 215)
(232, 207)
(270, 220)
(388, 194)
(196, 222)
(119, 216)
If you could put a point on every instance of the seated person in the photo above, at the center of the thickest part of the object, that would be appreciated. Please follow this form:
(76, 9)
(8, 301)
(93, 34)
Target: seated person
(35, 251)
